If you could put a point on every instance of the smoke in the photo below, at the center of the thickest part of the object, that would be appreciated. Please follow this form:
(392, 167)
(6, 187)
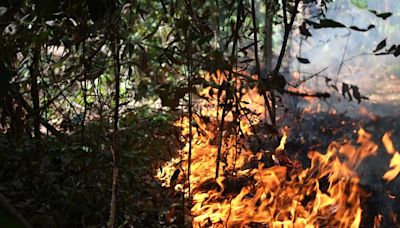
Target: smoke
(378, 77)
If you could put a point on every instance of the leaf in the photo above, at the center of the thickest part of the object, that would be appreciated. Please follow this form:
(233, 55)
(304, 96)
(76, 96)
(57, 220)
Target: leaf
(327, 80)
(356, 93)
(362, 4)
(373, 11)
(346, 91)
(304, 31)
(397, 52)
(303, 60)
(380, 46)
(392, 49)
(329, 23)
(311, 23)
(362, 29)
(384, 16)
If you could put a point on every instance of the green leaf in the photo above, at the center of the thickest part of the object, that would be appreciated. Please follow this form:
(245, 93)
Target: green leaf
(362, 4)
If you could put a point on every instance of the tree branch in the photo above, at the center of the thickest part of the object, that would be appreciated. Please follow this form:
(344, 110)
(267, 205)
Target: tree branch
(20, 99)
(301, 94)
(288, 28)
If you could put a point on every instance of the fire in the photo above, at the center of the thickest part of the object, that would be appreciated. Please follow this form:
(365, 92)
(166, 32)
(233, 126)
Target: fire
(387, 142)
(248, 192)
(395, 161)
(355, 155)
(394, 168)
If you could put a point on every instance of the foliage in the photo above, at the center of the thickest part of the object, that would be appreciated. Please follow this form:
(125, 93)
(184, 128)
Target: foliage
(70, 186)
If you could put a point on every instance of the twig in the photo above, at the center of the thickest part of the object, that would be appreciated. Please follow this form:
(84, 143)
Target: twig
(342, 60)
(301, 94)
(20, 99)
(298, 83)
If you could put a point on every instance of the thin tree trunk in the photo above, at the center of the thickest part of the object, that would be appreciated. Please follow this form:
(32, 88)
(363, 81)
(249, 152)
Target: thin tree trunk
(84, 91)
(287, 27)
(268, 32)
(270, 109)
(220, 139)
(34, 74)
(268, 56)
(190, 111)
(224, 111)
(115, 144)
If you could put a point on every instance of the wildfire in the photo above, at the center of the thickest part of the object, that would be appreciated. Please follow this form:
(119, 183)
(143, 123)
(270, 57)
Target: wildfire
(395, 161)
(249, 193)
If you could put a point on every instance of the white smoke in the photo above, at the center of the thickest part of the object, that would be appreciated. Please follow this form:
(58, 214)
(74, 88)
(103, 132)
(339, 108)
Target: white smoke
(378, 77)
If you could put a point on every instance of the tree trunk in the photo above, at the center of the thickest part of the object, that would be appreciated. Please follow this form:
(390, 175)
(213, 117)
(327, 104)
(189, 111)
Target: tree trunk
(115, 146)
(34, 74)
(268, 32)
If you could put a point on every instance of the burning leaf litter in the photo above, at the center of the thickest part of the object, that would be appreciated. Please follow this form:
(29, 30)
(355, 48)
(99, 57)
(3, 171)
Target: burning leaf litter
(251, 192)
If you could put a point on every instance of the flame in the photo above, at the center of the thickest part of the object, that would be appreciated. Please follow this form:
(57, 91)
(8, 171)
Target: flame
(326, 194)
(394, 168)
(387, 142)
(355, 155)
(377, 221)
(282, 143)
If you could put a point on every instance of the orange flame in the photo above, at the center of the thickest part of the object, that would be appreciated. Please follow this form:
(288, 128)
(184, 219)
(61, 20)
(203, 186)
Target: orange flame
(395, 161)
(394, 168)
(247, 193)
(387, 142)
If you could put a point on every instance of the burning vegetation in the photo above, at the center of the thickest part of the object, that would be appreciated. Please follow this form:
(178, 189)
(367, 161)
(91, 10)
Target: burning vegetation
(191, 113)
(252, 190)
